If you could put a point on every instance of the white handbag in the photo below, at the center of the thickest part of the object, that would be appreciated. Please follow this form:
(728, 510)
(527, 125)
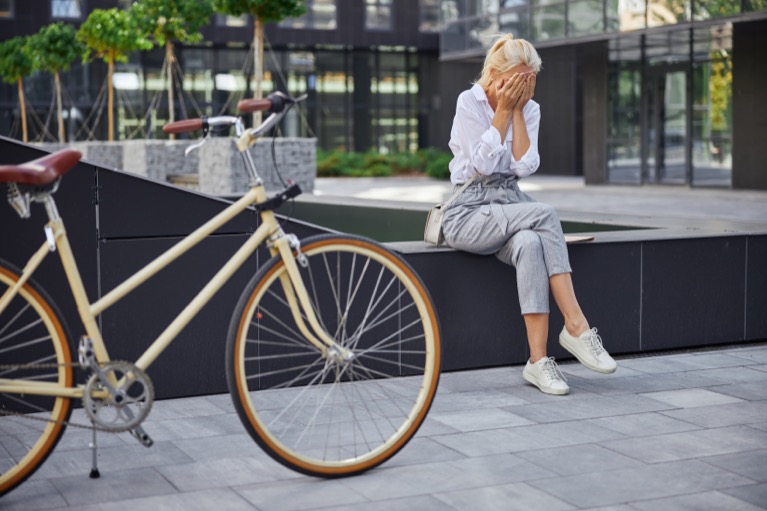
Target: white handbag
(432, 233)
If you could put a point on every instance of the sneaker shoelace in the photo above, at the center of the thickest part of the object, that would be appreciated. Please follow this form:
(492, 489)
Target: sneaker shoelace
(594, 342)
(551, 370)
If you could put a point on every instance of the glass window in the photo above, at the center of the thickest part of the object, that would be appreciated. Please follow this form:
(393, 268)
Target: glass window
(429, 15)
(549, 21)
(378, 14)
(516, 21)
(624, 126)
(224, 20)
(667, 12)
(706, 9)
(754, 5)
(585, 17)
(319, 15)
(625, 15)
(66, 8)
(6, 8)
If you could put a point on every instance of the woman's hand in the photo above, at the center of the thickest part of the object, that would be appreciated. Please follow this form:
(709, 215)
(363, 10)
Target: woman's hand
(528, 90)
(509, 91)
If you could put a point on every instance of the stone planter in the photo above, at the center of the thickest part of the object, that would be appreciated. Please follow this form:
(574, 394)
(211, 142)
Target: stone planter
(216, 168)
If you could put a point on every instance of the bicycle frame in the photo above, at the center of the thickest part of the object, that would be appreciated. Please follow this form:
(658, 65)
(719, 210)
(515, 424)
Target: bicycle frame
(269, 230)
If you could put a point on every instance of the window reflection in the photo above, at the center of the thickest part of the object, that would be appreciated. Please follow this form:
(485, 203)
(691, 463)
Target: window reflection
(319, 15)
(378, 14)
(6, 8)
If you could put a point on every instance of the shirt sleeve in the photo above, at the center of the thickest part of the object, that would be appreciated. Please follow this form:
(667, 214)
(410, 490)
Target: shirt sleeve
(476, 148)
(531, 160)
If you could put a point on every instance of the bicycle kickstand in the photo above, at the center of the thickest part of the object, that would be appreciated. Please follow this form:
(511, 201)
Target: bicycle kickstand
(94, 466)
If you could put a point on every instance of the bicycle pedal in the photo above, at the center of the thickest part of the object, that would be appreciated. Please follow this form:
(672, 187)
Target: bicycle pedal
(141, 435)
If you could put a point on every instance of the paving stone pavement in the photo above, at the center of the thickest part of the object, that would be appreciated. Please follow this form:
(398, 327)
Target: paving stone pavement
(665, 432)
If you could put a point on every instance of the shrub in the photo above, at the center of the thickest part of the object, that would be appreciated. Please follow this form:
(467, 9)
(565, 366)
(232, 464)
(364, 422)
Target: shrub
(437, 166)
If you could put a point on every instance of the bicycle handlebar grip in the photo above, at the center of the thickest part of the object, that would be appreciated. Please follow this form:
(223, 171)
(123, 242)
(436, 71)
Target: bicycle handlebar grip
(183, 126)
(254, 105)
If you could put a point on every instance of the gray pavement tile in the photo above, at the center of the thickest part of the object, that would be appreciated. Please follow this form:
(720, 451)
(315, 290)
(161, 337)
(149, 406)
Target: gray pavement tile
(183, 408)
(719, 359)
(478, 380)
(646, 383)
(223, 401)
(757, 355)
(643, 424)
(579, 459)
(417, 503)
(498, 469)
(220, 473)
(755, 494)
(762, 367)
(510, 496)
(32, 495)
(221, 447)
(719, 416)
(113, 485)
(690, 444)
(475, 420)
(754, 391)
(75, 439)
(421, 450)
(194, 427)
(111, 459)
(577, 369)
(706, 501)
(473, 400)
(759, 425)
(680, 363)
(751, 464)
(633, 484)
(691, 398)
(430, 427)
(591, 408)
(525, 438)
(531, 394)
(204, 500)
(728, 375)
(397, 482)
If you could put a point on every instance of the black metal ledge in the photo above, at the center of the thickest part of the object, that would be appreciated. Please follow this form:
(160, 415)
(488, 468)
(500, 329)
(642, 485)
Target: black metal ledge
(660, 285)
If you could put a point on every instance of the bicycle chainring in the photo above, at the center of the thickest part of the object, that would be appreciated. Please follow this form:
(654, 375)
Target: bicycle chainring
(128, 403)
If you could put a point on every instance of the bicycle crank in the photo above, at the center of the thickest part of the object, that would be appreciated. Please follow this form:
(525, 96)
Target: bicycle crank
(118, 397)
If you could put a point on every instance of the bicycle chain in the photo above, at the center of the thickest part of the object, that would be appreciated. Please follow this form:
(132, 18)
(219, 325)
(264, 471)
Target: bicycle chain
(9, 413)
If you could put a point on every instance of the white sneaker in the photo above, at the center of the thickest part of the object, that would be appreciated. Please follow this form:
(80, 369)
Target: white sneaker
(588, 349)
(545, 375)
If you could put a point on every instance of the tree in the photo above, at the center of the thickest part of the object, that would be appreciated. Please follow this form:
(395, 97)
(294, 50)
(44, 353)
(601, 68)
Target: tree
(167, 21)
(54, 49)
(16, 63)
(111, 35)
(263, 11)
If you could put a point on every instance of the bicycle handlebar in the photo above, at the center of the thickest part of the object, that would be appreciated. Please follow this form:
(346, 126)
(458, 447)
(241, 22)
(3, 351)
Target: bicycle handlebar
(184, 126)
(254, 105)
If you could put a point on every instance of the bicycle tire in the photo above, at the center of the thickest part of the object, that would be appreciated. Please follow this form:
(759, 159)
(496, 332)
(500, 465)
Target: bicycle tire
(31, 332)
(354, 414)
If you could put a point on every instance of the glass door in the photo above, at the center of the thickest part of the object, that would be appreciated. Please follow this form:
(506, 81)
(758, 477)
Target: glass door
(666, 140)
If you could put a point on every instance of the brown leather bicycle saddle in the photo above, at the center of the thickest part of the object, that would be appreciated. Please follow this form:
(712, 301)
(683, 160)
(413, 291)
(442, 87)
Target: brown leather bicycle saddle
(41, 171)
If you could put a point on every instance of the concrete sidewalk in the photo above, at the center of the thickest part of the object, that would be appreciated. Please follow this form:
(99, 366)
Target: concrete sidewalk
(567, 193)
(671, 431)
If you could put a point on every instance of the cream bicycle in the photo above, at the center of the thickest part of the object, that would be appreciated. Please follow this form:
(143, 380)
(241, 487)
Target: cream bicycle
(333, 351)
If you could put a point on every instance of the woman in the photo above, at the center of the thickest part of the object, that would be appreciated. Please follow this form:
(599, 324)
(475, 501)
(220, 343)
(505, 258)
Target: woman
(495, 142)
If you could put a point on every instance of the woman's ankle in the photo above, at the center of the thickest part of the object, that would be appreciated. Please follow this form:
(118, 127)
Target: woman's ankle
(576, 327)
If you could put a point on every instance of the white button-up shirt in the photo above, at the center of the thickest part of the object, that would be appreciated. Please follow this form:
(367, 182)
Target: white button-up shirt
(476, 143)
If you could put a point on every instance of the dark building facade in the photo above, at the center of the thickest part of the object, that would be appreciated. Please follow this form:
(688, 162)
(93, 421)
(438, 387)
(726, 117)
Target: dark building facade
(363, 64)
(635, 91)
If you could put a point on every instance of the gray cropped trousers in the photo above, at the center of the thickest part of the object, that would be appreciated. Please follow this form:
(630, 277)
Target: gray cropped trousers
(492, 216)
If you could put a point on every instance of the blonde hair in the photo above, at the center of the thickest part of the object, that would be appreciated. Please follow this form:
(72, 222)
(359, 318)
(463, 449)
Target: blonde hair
(506, 53)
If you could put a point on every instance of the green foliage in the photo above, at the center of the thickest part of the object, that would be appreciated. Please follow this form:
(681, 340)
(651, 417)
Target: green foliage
(433, 162)
(112, 34)
(55, 47)
(15, 59)
(269, 11)
(720, 88)
(173, 20)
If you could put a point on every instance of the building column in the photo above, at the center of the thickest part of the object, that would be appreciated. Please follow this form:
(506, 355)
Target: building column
(749, 95)
(594, 58)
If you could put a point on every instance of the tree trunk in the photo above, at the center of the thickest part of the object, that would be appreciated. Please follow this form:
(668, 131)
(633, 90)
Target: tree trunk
(60, 114)
(23, 105)
(258, 63)
(169, 62)
(110, 101)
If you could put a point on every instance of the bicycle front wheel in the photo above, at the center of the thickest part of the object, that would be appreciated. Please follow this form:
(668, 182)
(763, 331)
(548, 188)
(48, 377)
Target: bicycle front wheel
(33, 349)
(327, 414)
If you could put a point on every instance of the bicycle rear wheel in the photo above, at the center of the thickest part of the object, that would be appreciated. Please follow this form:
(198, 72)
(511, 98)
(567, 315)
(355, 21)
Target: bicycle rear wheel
(30, 334)
(333, 416)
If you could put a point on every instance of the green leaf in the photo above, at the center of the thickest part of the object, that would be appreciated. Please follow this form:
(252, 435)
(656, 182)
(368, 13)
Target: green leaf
(269, 11)
(55, 47)
(173, 20)
(112, 35)
(15, 59)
